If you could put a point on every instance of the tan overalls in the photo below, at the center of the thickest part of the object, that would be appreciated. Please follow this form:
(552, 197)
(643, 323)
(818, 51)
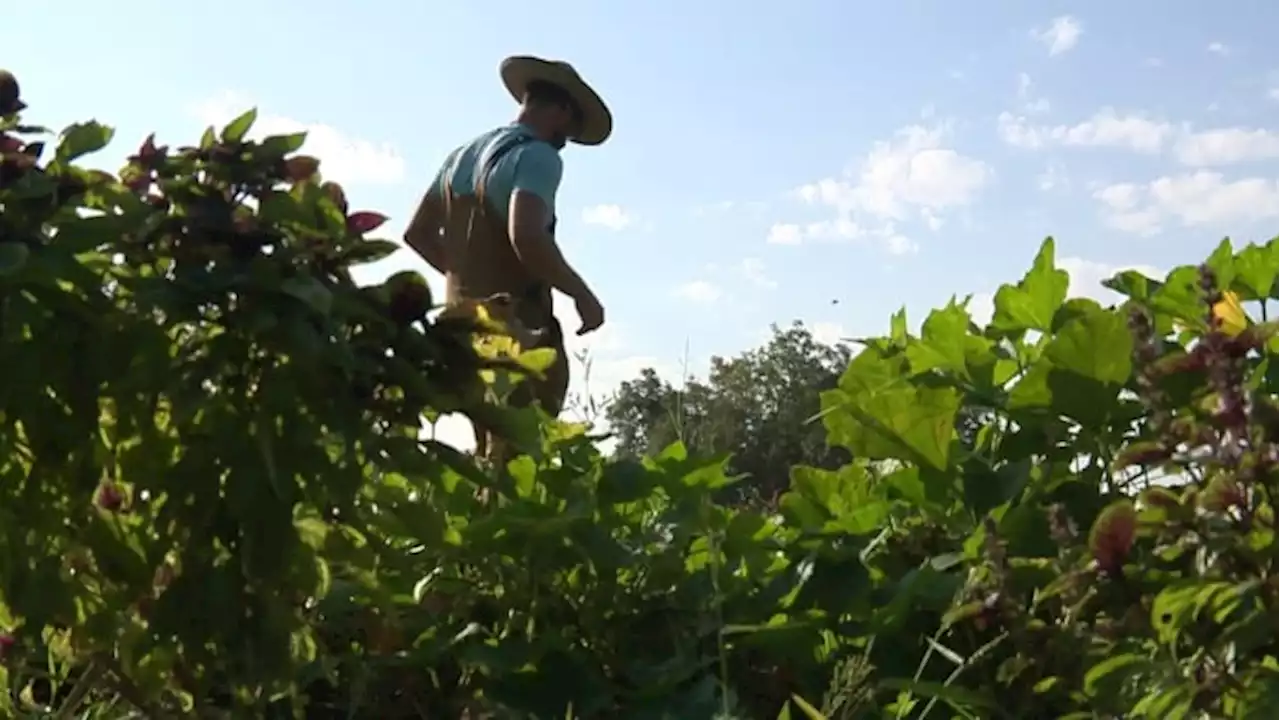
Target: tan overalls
(483, 262)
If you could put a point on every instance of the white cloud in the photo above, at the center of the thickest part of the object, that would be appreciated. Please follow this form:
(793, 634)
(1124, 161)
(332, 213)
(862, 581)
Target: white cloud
(699, 291)
(1062, 34)
(1106, 128)
(911, 172)
(910, 177)
(1024, 85)
(343, 158)
(612, 217)
(901, 245)
(1038, 106)
(1123, 212)
(753, 209)
(752, 270)
(1199, 199)
(838, 229)
(1030, 104)
(714, 208)
(785, 234)
(1110, 129)
(842, 229)
(1218, 48)
(1053, 177)
(1226, 146)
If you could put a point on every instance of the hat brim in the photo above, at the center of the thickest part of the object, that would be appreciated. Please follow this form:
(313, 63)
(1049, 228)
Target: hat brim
(597, 122)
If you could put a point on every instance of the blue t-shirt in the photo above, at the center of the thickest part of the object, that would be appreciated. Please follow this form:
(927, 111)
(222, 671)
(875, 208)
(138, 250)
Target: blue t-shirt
(533, 167)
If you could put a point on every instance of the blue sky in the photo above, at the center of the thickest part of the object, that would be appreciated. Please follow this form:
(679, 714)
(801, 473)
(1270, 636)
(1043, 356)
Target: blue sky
(768, 158)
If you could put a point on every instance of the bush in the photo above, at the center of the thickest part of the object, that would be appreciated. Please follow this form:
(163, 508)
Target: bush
(215, 500)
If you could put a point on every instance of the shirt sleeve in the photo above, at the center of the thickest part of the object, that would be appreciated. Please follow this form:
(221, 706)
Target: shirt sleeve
(538, 170)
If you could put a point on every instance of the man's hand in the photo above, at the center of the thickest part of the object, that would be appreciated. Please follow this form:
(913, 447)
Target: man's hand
(590, 311)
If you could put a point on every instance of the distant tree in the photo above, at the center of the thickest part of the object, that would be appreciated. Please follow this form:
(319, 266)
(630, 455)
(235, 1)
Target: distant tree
(761, 406)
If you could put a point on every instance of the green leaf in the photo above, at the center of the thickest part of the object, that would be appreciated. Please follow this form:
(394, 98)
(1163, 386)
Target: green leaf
(838, 584)
(1082, 371)
(1133, 284)
(310, 291)
(235, 130)
(942, 341)
(1095, 345)
(81, 139)
(952, 694)
(1108, 678)
(537, 360)
(1032, 303)
(1260, 695)
(1073, 309)
(809, 711)
(1223, 264)
(284, 144)
(13, 257)
(877, 413)
(367, 251)
(1256, 269)
(625, 481)
(710, 475)
(1180, 298)
(1181, 603)
(524, 473)
(986, 489)
(828, 488)
(898, 326)
(276, 206)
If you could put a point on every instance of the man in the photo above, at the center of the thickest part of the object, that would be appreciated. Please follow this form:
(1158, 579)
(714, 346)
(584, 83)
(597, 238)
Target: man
(487, 223)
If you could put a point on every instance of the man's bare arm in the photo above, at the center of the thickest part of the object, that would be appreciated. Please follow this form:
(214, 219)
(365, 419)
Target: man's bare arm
(536, 247)
(423, 234)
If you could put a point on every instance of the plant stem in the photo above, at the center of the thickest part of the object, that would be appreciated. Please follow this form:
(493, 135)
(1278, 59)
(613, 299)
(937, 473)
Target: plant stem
(84, 684)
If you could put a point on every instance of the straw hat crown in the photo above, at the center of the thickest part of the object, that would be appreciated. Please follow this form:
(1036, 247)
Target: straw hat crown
(520, 70)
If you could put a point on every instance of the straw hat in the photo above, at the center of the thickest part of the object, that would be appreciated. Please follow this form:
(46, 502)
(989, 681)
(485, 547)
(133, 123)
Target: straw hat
(10, 102)
(520, 70)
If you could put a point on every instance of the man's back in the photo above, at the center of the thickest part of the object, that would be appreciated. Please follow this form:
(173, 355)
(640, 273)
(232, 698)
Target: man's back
(482, 261)
(524, 163)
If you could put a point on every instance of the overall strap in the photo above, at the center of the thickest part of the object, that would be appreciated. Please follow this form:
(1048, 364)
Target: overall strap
(483, 172)
(537, 297)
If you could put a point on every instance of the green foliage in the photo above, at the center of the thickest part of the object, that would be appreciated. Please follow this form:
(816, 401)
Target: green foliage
(758, 406)
(216, 501)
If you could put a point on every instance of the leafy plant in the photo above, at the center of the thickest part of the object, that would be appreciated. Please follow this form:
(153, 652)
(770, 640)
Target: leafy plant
(217, 500)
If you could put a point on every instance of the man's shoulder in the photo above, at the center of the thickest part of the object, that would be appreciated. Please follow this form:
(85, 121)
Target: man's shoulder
(518, 151)
(491, 138)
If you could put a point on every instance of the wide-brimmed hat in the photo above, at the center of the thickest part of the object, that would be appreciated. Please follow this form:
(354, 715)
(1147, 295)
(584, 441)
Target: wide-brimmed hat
(520, 70)
(10, 102)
